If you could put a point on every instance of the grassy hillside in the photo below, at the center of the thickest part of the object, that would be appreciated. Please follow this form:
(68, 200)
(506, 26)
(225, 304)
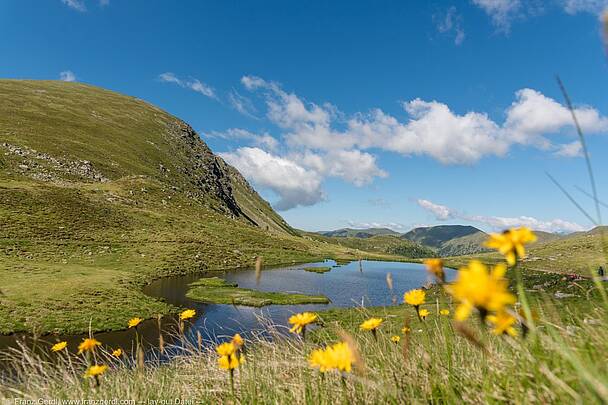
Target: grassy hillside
(100, 193)
(434, 236)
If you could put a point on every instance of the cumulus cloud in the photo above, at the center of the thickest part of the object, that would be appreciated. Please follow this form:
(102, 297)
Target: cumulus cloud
(573, 149)
(67, 76)
(295, 185)
(354, 166)
(75, 4)
(443, 213)
(192, 84)
(450, 23)
(263, 140)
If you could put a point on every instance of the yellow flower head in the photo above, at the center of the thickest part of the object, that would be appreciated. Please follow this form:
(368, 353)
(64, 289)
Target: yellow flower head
(230, 362)
(95, 370)
(237, 340)
(299, 321)
(423, 313)
(435, 267)
(226, 349)
(476, 287)
(87, 345)
(133, 322)
(503, 323)
(57, 347)
(444, 312)
(337, 357)
(117, 353)
(405, 330)
(395, 339)
(187, 314)
(511, 243)
(414, 297)
(371, 324)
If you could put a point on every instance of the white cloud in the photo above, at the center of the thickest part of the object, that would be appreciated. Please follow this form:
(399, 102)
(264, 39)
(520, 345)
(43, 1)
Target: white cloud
(242, 104)
(451, 23)
(442, 213)
(264, 140)
(573, 149)
(295, 185)
(67, 76)
(75, 4)
(192, 84)
(104, 3)
(584, 6)
(354, 166)
(502, 12)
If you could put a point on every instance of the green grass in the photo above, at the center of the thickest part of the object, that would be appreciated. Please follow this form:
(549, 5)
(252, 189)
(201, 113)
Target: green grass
(319, 269)
(215, 290)
(562, 362)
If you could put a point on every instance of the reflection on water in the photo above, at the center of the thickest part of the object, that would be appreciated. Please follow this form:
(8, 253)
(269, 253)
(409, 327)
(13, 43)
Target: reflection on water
(353, 284)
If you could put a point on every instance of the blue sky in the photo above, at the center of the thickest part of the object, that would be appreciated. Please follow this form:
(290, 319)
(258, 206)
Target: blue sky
(384, 113)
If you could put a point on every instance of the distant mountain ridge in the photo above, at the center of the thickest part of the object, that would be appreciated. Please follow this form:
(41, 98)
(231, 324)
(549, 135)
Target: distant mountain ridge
(359, 233)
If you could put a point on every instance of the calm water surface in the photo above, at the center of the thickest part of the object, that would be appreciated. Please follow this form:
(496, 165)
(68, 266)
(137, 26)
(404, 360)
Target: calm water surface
(354, 284)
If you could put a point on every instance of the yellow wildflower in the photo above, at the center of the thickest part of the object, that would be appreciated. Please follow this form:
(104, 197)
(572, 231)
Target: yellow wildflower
(95, 371)
(371, 324)
(405, 330)
(444, 312)
(230, 362)
(395, 339)
(237, 340)
(476, 287)
(423, 313)
(435, 267)
(87, 345)
(338, 357)
(503, 323)
(133, 322)
(57, 347)
(414, 297)
(187, 314)
(511, 243)
(117, 353)
(226, 349)
(299, 321)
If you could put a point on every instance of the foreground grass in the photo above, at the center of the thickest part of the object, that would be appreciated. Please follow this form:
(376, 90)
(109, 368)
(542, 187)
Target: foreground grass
(215, 290)
(563, 361)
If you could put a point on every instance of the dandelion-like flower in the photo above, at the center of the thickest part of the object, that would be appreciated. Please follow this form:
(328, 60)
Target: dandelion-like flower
(337, 357)
(371, 324)
(435, 267)
(95, 370)
(476, 287)
(423, 313)
(229, 358)
(88, 345)
(511, 243)
(117, 353)
(57, 347)
(414, 298)
(395, 339)
(187, 314)
(503, 323)
(444, 312)
(300, 321)
(237, 341)
(405, 330)
(133, 322)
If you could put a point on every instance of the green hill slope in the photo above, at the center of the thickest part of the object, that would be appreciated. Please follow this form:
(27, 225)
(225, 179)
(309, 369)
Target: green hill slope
(384, 244)
(100, 193)
(359, 233)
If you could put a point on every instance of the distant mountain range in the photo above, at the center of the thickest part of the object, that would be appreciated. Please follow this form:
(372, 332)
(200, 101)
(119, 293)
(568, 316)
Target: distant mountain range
(443, 240)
